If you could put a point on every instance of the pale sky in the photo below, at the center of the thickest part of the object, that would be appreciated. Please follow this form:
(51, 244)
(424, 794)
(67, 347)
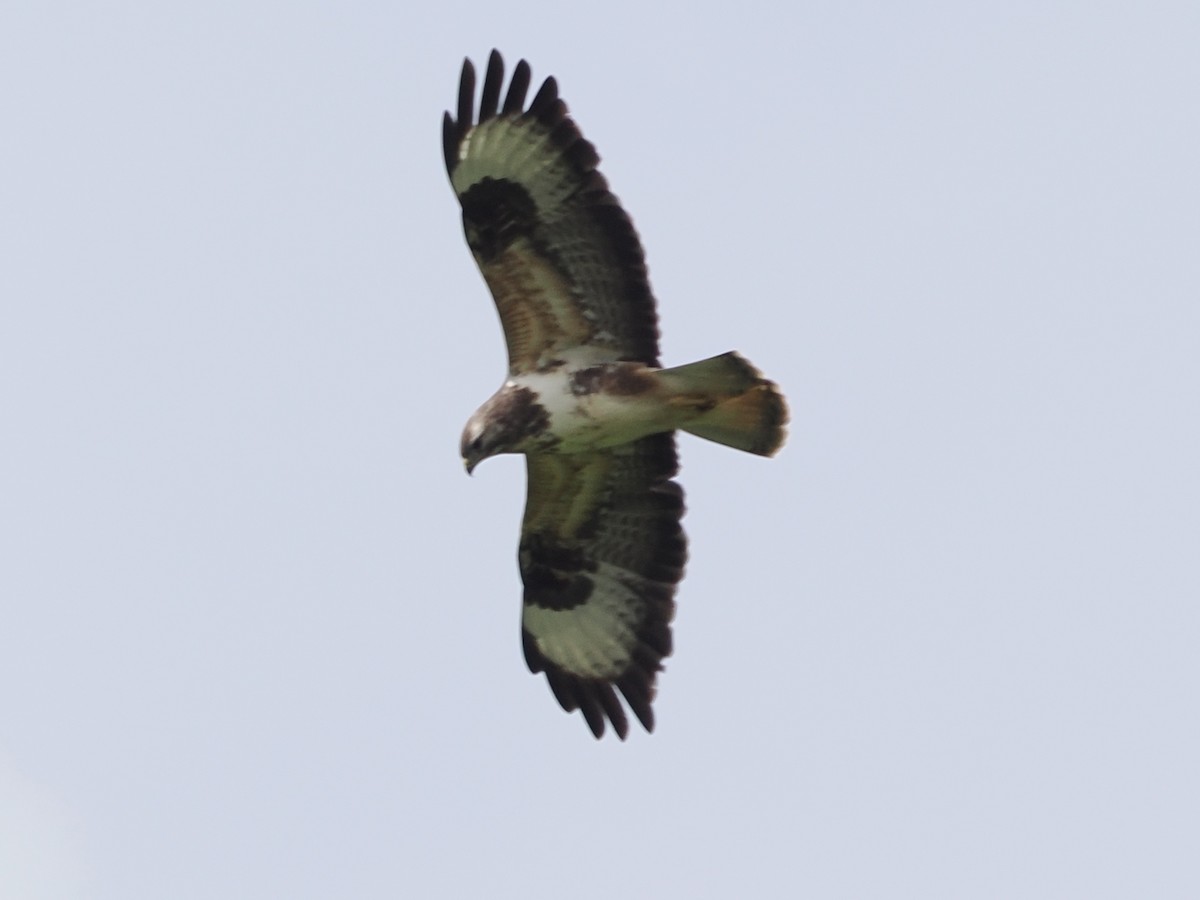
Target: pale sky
(258, 630)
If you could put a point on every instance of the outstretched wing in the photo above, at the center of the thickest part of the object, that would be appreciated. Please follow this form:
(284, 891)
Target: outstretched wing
(601, 553)
(558, 252)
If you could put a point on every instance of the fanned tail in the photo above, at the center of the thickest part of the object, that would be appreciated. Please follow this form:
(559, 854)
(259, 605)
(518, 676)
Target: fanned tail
(743, 409)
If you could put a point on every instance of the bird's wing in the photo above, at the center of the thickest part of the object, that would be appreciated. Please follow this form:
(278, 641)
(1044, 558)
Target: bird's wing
(601, 553)
(558, 252)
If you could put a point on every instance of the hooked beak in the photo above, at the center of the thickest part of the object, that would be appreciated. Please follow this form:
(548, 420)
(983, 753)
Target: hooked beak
(469, 465)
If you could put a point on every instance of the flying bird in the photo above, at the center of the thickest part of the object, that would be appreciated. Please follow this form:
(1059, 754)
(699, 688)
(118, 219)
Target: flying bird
(585, 398)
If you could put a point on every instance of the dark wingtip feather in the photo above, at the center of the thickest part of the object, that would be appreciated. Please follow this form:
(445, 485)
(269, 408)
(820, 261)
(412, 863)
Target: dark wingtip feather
(492, 81)
(546, 100)
(454, 129)
(449, 142)
(589, 705)
(466, 96)
(612, 709)
(639, 695)
(514, 100)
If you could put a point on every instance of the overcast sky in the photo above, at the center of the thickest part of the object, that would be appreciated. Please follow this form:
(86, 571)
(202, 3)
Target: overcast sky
(259, 631)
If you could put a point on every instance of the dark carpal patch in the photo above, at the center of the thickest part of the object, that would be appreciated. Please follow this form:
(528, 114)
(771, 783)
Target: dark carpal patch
(497, 212)
(556, 574)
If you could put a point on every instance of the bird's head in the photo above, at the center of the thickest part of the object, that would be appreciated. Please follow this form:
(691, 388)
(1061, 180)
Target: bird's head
(512, 421)
(482, 437)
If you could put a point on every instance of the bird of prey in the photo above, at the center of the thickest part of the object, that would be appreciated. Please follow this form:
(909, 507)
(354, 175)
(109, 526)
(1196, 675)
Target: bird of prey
(585, 398)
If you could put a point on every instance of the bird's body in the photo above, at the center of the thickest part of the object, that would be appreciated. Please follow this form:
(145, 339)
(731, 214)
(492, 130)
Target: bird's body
(594, 405)
(585, 399)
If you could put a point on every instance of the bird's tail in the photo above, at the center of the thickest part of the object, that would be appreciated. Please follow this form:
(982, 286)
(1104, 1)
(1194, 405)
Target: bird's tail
(740, 408)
